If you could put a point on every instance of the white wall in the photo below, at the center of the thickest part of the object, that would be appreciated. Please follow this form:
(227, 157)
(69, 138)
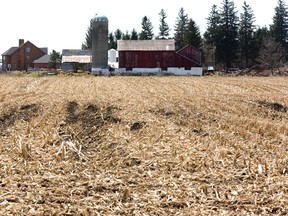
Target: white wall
(194, 71)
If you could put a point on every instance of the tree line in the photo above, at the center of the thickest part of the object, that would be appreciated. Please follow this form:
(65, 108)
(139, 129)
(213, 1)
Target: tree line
(230, 40)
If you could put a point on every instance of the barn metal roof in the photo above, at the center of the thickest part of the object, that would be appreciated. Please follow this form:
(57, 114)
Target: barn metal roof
(76, 55)
(76, 52)
(77, 58)
(146, 45)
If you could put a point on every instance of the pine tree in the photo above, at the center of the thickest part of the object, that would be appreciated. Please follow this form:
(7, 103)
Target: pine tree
(87, 45)
(118, 34)
(193, 35)
(147, 29)
(212, 31)
(55, 57)
(111, 41)
(180, 29)
(163, 27)
(227, 45)
(134, 35)
(126, 36)
(279, 27)
(246, 35)
(259, 36)
(211, 35)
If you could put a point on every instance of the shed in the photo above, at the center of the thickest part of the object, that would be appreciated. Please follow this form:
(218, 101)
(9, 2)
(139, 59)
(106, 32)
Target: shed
(78, 58)
(44, 62)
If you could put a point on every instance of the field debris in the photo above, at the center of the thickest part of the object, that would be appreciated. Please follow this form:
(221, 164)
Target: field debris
(143, 145)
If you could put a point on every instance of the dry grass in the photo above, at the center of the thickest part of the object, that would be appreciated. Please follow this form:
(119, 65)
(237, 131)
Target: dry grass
(143, 146)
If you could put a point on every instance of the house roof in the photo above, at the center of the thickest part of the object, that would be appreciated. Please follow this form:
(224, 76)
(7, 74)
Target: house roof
(10, 51)
(146, 45)
(13, 49)
(76, 52)
(44, 50)
(43, 60)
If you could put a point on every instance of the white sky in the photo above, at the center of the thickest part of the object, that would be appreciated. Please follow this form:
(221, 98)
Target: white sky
(62, 24)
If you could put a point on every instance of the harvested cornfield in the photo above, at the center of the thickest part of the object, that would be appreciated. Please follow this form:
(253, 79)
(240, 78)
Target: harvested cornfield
(143, 145)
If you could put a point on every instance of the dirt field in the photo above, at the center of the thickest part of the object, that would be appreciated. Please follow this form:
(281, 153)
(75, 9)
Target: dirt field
(143, 145)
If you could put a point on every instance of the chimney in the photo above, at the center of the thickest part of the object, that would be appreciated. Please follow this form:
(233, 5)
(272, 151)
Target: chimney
(21, 41)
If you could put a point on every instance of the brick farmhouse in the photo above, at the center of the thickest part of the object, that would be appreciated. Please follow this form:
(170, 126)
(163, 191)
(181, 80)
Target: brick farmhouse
(22, 57)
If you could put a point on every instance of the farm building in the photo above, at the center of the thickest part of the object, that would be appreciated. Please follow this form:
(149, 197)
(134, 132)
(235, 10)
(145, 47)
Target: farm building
(156, 54)
(113, 58)
(99, 44)
(73, 59)
(83, 58)
(22, 57)
(44, 62)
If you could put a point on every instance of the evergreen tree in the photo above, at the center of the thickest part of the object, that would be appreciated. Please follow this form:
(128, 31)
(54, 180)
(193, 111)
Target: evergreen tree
(126, 36)
(211, 35)
(180, 29)
(87, 45)
(147, 29)
(163, 27)
(246, 35)
(55, 57)
(134, 35)
(193, 35)
(279, 28)
(118, 34)
(259, 36)
(227, 45)
(111, 41)
(212, 31)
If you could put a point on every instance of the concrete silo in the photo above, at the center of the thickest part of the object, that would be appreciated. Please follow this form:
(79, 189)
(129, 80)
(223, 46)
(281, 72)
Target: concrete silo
(99, 44)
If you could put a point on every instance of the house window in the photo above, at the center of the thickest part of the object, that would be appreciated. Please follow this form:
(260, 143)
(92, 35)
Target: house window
(4, 58)
(27, 49)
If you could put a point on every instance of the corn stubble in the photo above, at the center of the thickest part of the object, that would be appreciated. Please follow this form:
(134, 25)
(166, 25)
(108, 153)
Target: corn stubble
(143, 146)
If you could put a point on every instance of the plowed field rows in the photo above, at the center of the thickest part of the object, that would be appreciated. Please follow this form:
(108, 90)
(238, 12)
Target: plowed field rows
(143, 145)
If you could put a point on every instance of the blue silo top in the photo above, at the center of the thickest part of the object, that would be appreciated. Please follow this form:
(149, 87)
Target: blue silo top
(98, 18)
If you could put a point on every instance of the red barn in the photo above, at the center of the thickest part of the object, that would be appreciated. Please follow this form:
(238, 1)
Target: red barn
(156, 54)
(22, 57)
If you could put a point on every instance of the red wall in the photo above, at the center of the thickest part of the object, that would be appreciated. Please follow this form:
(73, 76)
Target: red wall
(159, 59)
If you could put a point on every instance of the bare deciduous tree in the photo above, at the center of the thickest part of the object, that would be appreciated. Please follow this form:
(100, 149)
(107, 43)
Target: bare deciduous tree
(272, 54)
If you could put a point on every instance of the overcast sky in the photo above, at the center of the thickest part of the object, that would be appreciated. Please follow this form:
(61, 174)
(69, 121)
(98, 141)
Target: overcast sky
(62, 24)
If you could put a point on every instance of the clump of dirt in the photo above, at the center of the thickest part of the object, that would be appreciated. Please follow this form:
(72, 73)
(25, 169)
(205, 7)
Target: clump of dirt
(179, 116)
(137, 126)
(166, 113)
(71, 109)
(84, 125)
(24, 112)
(274, 106)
